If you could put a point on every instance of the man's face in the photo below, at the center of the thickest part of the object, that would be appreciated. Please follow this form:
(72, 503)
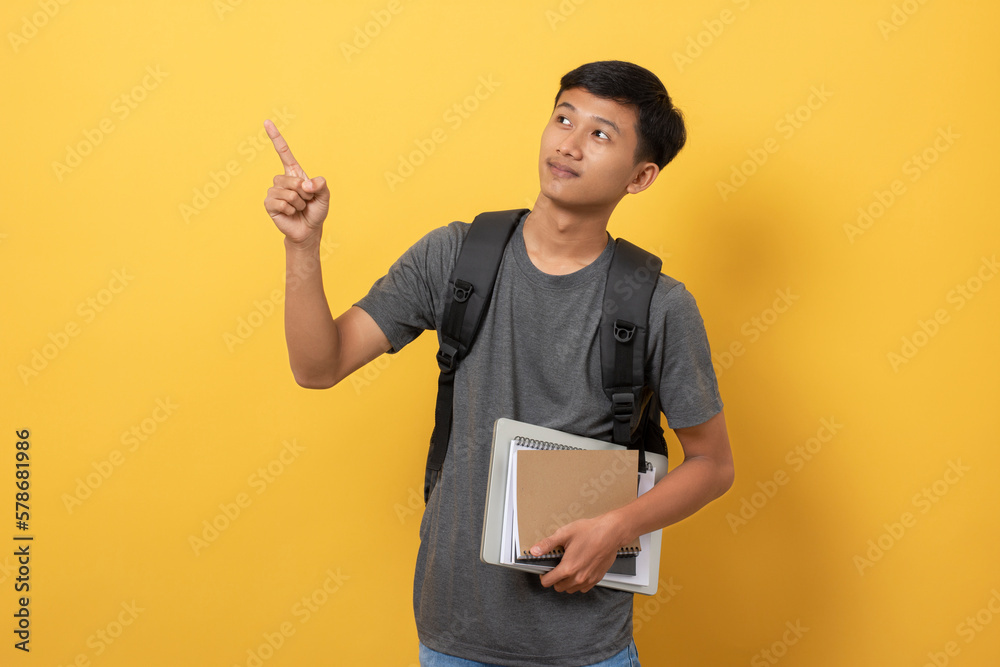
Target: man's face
(587, 151)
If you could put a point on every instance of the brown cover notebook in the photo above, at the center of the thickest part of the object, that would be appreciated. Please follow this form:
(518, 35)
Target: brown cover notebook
(556, 487)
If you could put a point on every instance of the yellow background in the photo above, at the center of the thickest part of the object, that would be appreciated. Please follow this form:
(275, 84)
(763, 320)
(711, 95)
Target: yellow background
(190, 319)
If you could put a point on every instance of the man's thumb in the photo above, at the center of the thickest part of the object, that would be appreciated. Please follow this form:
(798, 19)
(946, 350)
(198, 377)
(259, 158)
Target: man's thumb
(318, 187)
(546, 545)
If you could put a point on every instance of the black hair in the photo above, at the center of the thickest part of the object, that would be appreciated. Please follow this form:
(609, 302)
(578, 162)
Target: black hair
(660, 128)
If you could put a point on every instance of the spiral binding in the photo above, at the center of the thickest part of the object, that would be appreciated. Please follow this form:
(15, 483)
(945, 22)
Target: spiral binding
(539, 444)
(559, 551)
(543, 444)
(555, 553)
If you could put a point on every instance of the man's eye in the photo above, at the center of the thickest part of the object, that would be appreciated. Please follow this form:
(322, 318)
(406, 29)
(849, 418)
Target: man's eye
(602, 134)
(560, 119)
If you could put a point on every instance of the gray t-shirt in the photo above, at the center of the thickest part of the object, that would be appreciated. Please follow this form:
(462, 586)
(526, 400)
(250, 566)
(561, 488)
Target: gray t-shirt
(536, 359)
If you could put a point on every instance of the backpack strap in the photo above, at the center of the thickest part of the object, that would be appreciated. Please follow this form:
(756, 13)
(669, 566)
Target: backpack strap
(469, 291)
(623, 330)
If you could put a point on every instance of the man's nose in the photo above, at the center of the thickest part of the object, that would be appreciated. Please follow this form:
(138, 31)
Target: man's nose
(570, 145)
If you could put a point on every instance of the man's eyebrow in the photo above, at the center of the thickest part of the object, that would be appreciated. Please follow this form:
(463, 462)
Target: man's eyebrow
(599, 119)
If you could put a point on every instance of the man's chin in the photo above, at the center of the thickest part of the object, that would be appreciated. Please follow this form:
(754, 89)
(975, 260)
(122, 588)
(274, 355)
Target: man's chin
(563, 202)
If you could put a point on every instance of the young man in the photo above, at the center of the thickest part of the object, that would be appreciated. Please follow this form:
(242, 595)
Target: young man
(536, 359)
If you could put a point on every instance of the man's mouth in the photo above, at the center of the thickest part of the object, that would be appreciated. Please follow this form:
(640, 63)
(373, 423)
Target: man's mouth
(560, 169)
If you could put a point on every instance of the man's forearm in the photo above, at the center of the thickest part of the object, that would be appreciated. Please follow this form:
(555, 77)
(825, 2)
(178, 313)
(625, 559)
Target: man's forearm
(682, 492)
(591, 544)
(310, 331)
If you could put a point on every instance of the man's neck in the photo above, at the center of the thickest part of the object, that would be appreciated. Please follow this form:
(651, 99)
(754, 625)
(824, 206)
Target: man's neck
(561, 241)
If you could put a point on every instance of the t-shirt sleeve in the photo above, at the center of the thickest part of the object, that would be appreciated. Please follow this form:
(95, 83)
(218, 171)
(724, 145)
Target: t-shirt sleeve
(688, 389)
(409, 298)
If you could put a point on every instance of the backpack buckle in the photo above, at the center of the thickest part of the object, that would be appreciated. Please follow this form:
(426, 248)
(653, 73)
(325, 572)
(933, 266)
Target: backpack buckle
(446, 357)
(623, 406)
(463, 291)
(624, 331)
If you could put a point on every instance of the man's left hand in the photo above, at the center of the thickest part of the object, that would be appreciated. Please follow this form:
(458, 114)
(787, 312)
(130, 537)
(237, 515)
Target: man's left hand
(590, 545)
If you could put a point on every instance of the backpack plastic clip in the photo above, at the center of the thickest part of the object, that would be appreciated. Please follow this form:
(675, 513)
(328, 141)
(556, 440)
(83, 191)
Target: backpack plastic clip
(624, 331)
(463, 291)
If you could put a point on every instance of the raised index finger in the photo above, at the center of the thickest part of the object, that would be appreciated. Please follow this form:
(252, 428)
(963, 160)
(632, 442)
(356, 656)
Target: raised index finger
(292, 168)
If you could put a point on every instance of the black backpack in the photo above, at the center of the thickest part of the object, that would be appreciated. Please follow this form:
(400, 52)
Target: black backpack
(623, 329)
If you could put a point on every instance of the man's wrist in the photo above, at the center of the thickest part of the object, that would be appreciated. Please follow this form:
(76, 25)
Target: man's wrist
(623, 524)
(307, 246)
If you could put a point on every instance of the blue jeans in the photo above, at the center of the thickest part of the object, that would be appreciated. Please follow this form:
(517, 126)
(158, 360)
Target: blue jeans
(428, 658)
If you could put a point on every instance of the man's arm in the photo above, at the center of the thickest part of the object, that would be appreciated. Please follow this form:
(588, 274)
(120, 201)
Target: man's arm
(591, 544)
(322, 351)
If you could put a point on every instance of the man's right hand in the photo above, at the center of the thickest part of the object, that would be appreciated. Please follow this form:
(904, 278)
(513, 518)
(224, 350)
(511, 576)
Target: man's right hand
(297, 204)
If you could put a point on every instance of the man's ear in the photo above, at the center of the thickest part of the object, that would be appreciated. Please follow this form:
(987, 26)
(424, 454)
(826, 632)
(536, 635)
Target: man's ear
(645, 174)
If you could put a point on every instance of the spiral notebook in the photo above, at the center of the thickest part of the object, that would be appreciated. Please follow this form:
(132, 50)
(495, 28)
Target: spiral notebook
(592, 477)
(555, 484)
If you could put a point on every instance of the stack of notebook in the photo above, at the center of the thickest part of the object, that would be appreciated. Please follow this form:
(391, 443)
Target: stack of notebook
(542, 479)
